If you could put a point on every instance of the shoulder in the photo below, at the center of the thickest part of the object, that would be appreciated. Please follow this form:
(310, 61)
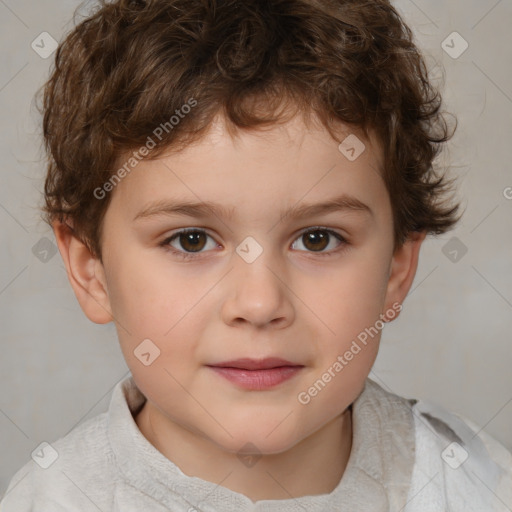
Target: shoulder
(70, 474)
(458, 465)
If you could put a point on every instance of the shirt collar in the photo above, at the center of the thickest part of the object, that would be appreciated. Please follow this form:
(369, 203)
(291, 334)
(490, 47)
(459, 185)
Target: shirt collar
(377, 476)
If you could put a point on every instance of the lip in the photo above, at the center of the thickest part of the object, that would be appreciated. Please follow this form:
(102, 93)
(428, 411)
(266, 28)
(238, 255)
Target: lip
(254, 374)
(255, 364)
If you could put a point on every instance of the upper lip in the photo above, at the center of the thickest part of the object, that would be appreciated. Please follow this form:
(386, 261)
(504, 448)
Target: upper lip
(255, 364)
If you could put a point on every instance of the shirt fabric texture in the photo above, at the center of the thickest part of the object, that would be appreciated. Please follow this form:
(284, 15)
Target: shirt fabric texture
(407, 456)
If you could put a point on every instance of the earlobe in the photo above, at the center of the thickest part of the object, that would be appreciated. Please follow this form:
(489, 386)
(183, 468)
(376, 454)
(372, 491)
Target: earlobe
(85, 273)
(403, 269)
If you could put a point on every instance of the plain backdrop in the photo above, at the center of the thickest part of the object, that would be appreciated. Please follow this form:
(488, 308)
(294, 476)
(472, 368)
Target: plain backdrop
(452, 342)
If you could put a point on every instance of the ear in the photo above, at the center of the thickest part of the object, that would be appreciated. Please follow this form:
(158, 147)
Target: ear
(402, 271)
(85, 273)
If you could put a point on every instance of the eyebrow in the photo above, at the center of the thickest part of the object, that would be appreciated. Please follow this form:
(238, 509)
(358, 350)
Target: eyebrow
(206, 209)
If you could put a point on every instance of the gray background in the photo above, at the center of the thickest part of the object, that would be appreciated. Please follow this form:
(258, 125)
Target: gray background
(452, 342)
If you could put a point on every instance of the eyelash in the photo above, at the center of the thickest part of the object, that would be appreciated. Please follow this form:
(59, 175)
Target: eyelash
(192, 255)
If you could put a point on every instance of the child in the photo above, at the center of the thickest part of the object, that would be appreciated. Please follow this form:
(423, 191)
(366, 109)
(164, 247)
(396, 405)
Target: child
(261, 128)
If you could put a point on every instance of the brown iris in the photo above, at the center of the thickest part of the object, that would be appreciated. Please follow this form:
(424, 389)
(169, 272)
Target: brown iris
(192, 242)
(315, 237)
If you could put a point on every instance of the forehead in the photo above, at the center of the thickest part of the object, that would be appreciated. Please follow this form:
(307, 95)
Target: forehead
(281, 165)
(297, 131)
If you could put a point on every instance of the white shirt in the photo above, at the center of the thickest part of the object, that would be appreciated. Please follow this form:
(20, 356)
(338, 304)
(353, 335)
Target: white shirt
(402, 459)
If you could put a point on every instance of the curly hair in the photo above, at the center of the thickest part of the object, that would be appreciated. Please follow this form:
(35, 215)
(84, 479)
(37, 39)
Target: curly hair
(132, 64)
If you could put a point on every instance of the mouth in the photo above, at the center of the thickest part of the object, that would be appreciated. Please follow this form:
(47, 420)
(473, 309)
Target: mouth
(255, 364)
(254, 374)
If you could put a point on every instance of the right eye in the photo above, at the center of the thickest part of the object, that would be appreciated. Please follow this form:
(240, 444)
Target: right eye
(191, 239)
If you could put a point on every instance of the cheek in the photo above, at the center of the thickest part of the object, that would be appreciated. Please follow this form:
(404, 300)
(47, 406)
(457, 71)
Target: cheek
(349, 304)
(347, 350)
(150, 296)
(153, 305)
(350, 297)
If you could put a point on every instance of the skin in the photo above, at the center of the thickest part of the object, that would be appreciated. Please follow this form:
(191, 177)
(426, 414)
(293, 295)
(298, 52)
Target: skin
(291, 302)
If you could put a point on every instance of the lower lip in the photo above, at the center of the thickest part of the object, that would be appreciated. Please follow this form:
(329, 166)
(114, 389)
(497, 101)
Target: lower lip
(257, 379)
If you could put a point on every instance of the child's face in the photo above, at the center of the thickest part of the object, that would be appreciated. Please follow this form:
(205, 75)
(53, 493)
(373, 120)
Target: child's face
(293, 301)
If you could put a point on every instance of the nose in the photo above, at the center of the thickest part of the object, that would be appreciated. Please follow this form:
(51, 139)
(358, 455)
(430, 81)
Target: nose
(257, 293)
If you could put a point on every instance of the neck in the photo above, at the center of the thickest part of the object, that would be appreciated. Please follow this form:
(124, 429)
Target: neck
(313, 466)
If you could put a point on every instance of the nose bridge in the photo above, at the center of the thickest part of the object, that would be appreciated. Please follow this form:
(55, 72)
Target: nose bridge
(257, 291)
(253, 264)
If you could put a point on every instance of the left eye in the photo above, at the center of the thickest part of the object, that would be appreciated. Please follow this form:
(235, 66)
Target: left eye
(318, 238)
(194, 240)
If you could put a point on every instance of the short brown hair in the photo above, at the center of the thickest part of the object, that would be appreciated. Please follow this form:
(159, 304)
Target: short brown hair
(129, 66)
